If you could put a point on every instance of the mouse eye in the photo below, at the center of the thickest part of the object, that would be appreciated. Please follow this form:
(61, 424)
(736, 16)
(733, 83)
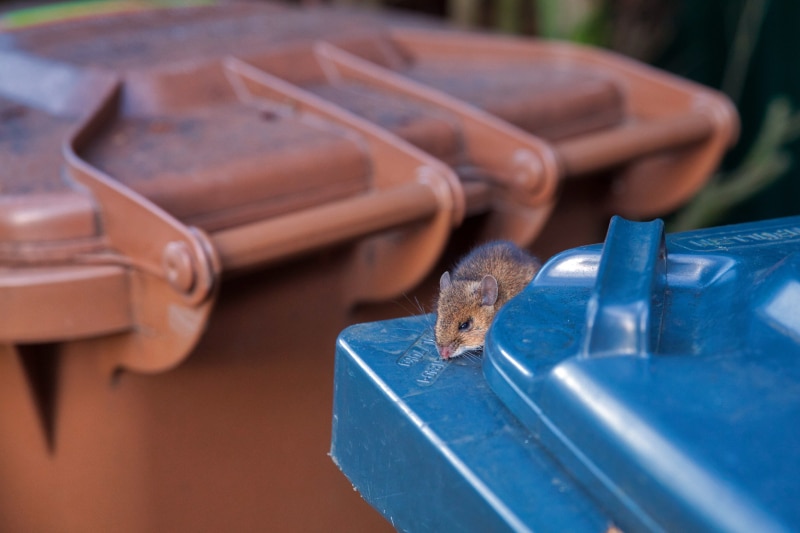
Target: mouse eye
(464, 326)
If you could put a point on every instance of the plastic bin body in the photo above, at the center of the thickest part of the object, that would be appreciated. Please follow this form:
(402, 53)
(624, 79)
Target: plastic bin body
(234, 438)
(194, 201)
(651, 382)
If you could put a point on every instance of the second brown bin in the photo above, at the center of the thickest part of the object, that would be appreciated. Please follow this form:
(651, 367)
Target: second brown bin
(193, 201)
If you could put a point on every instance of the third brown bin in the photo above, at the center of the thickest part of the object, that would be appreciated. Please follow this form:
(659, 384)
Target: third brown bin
(193, 201)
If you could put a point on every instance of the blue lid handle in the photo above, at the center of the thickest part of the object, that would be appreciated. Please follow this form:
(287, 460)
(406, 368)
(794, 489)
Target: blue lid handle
(623, 315)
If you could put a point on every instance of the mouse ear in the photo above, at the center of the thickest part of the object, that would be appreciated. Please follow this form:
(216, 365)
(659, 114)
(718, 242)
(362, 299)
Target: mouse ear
(444, 281)
(488, 290)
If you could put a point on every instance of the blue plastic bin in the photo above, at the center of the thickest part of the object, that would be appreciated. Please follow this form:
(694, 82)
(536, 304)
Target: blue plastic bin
(648, 383)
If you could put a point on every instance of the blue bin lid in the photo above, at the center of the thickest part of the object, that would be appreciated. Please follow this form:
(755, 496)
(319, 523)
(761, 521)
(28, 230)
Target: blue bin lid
(664, 373)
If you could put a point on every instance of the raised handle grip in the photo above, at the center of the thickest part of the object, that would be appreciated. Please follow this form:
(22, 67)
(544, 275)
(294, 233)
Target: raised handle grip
(623, 315)
(269, 240)
(590, 153)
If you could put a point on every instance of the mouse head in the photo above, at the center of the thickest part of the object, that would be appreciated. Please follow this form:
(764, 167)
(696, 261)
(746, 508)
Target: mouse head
(464, 312)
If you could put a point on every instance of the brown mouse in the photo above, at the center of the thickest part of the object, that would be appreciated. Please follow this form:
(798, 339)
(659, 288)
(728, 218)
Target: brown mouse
(481, 283)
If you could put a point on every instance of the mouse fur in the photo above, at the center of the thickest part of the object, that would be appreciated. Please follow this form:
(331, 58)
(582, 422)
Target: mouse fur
(482, 282)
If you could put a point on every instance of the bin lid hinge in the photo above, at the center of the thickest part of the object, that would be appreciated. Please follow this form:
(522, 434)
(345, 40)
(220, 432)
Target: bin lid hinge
(142, 299)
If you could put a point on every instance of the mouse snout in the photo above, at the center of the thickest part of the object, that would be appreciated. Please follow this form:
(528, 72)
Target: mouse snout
(446, 352)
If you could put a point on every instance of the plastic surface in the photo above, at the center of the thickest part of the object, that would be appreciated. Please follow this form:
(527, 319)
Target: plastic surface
(429, 445)
(661, 374)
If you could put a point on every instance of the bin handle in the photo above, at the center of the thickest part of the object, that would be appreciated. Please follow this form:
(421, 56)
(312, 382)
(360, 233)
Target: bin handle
(137, 289)
(594, 152)
(624, 312)
(171, 270)
(282, 237)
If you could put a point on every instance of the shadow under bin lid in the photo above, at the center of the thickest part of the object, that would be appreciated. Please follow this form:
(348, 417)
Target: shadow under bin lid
(663, 373)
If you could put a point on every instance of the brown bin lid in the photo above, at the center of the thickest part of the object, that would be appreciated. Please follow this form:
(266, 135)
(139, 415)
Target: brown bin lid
(556, 92)
(102, 171)
(155, 149)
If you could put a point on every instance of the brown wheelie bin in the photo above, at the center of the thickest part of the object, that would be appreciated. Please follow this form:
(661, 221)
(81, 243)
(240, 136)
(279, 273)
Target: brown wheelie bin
(193, 202)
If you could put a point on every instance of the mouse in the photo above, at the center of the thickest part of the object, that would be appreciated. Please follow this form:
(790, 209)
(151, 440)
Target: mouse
(481, 283)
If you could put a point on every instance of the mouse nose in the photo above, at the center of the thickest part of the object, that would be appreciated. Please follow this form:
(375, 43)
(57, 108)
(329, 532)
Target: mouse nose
(446, 352)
